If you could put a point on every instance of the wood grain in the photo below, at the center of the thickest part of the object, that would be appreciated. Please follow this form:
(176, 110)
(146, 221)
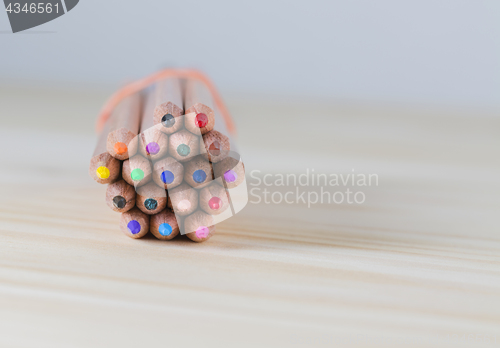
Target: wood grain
(420, 259)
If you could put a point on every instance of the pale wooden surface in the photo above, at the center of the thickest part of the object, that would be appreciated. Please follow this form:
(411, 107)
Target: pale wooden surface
(420, 258)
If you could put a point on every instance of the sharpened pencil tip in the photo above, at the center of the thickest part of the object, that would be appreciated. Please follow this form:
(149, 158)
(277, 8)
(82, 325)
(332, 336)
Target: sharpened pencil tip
(215, 203)
(201, 120)
(120, 148)
(183, 150)
(167, 177)
(137, 174)
(230, 176)
(168, 121)
(102, 172)
(184, 205)
(214, 148)
(202, 232)
(199, 176)
(152, 148)
(165, 229)
(119, 202)
(134, 226)
(151, 204)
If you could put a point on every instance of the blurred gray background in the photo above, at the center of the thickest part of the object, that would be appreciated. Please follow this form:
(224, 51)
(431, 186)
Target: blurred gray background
(436, 52)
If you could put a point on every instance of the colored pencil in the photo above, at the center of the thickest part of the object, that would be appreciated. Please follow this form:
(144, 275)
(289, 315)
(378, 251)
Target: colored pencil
(198, 105)
(198, 172)
(183, 200)
(124, 126)
(168, 173)
(231, 169)
(153, 143)
(168, 108)
(214, 199)
(151, 199)
(137, 171)
(120, 196)
(134, 223)
(183, 145)
(103, 167)
(215, 146)
(199, 226)
(164, 225)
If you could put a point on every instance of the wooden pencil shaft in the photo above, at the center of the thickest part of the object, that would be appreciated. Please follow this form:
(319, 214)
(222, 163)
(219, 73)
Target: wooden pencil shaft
(163, 225)
(101, 146)
(147, 110)
(103, 167)
(137, 171)
(198, 105)
(215, 146)
(151, 199)
(153, 143)
(183, 145)
(168, 173)
(124, 126)
(168, 105)
(199, 226)
(120, 196)
(214, 199)
(134, 223)
(183, 200)
(198, 172)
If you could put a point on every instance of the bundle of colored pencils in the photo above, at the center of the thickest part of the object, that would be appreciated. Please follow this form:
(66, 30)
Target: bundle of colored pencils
(167, 169)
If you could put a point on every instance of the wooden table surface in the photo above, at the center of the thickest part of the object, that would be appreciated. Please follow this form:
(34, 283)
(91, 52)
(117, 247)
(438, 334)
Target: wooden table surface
(418, 264)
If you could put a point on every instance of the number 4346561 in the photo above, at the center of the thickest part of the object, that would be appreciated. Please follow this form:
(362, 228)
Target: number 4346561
(40, 7)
